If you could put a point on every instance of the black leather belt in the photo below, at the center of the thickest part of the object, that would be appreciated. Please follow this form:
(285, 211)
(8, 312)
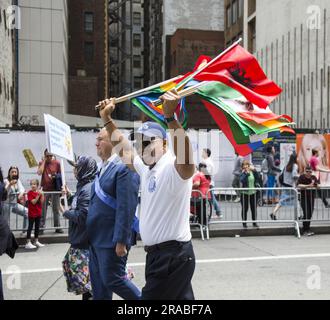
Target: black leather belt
(164, 245)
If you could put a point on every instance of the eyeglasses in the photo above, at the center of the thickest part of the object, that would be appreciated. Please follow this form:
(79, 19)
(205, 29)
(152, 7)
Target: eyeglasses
(145, 143)
(309, 171)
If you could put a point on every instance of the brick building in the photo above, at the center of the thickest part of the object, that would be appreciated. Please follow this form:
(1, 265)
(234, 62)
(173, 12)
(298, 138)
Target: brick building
(185, 46)
(87, 56)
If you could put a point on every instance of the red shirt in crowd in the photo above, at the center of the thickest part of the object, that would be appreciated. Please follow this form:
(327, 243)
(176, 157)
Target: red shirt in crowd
(204, 186)
(51, 168)
(314, 162)
(35, 210)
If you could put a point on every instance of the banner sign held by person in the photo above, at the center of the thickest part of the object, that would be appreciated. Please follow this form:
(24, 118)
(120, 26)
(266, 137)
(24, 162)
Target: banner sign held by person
(31, 160)
(58, 137)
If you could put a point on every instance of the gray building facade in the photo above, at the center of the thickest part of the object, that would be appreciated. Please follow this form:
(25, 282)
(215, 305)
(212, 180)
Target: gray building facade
(292, 45)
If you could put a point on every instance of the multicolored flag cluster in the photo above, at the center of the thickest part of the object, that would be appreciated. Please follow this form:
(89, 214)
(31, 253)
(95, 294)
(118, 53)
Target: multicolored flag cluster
(236, 93)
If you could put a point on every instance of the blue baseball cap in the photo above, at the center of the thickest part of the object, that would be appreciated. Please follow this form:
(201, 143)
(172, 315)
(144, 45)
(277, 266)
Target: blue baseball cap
(152, 130)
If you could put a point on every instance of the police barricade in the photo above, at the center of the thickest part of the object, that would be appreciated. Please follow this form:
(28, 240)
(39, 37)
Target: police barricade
(15, 212)
(235, 205)
(198, 212)
(315, 207)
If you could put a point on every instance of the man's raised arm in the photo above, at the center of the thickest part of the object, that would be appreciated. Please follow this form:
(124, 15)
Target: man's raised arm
(181, 144)
(121, 145)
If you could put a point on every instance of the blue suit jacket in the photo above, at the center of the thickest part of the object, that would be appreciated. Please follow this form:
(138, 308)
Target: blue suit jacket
(106, 226)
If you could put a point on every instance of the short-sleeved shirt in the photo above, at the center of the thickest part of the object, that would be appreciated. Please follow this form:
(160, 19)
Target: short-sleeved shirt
(14, 191)
(34, 209)
(165, 202)
(51, 168)
(204, 186)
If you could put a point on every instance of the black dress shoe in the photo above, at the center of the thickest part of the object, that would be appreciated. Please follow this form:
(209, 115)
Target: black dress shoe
(255, 225)
(59, 231)
(245, 226)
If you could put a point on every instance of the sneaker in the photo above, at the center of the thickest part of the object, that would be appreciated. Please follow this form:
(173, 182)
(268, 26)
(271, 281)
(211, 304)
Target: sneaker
(39, 245)
(308, 234)
(273, 217)
(237, 200)
(30, 246)
(255, 225)
(245, 226)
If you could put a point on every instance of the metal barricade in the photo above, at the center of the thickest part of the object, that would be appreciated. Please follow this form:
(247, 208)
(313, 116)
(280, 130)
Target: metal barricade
(13, 213)
(198, 212)
(315, 206)
(234, 212)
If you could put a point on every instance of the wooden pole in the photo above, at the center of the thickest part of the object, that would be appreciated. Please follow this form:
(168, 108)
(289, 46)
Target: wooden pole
(142, 91)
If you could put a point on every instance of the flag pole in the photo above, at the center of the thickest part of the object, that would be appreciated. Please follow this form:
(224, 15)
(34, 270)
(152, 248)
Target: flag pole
(142, 91)
(184, 93)
(185, 81)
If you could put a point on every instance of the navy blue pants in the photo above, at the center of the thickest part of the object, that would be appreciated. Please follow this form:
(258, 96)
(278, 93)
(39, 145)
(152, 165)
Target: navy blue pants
(1, 289)
(108, 276)
(169, 272)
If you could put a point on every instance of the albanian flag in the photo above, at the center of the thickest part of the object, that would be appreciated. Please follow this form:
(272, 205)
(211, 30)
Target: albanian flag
(241, 71)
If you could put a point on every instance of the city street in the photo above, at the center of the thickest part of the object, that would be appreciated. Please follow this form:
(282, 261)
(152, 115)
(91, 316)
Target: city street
(227, 268)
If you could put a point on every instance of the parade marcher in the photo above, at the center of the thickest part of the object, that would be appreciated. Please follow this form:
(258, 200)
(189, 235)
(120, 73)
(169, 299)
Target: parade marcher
(15, 202)
(76, 261)
(201, 182)
(166, 183)
(50, 170)
(290, 176)
(308, 183)
(111, 212)
(317, 168)
(237, 173)
(8, 242)
(210, 168)
(271, 175)
(250, 179)
(35, 201)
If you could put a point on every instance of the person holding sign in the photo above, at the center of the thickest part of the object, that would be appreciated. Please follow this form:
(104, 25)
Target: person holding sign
(50, 169)
(166, 184)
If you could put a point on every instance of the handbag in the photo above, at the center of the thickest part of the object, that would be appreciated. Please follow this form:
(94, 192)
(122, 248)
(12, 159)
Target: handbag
(57, 181)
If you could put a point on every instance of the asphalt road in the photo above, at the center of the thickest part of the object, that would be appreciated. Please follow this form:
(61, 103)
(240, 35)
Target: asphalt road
(227, 269)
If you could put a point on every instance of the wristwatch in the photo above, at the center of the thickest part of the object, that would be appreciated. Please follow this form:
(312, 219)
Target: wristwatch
(169, 120)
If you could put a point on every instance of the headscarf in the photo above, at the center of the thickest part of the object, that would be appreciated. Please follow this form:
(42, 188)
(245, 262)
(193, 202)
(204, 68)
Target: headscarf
(86, 168)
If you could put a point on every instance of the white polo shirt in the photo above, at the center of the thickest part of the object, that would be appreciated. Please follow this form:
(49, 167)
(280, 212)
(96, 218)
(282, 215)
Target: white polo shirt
(165, 202)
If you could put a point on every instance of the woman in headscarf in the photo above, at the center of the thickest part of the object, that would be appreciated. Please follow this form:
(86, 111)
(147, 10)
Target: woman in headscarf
(75, 264)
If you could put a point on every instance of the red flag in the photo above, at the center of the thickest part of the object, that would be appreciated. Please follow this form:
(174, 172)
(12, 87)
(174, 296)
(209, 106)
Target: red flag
(240, 70)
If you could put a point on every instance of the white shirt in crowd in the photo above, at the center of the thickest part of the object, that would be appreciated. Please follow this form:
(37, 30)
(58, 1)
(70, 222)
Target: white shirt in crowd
(14, 191)
(103, 166)
(165, 202)
(210, 168)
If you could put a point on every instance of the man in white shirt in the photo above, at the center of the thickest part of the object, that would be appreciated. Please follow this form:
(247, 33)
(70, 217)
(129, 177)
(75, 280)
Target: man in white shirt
(166, 183)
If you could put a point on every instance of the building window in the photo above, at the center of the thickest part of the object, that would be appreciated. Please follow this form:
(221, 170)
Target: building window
(234, 12)
(89, 21)
(136, 61)
(137, 83)
(240, 8)
(228, 16)
(137, 40)
(89, 51)
(137, 18)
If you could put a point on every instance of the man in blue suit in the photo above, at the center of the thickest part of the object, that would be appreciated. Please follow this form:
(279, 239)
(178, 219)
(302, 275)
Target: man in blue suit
(112, 208)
